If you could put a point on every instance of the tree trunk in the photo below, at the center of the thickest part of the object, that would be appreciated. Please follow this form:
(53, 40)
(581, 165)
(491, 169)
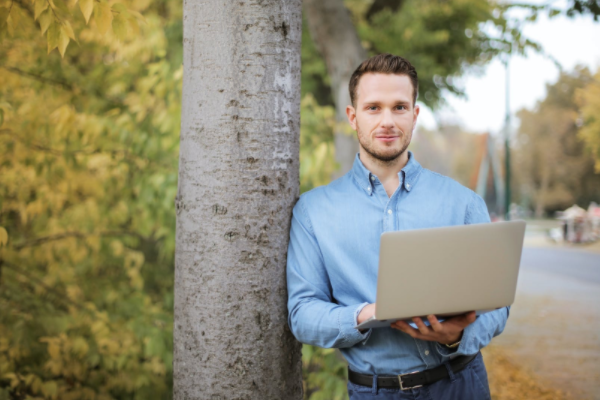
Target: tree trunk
(542, 193)
(336, 39)
(238, 182)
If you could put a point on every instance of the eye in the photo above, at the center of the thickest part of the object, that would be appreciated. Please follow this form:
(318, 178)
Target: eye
(372, 108)
(400, 107)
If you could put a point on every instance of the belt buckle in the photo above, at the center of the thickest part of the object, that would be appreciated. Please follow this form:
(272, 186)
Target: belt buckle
(407, 388)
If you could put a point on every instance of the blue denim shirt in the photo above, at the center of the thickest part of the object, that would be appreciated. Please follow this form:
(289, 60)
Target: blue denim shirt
(333, 260)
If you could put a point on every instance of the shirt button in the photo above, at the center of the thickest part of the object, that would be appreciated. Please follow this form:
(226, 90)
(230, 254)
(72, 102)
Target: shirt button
(372, 178)
(408, 185)
(389, 211)
(369, 189)
(426, 352)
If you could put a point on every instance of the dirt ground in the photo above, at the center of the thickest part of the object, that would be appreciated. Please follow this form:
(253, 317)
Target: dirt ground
(511, 381)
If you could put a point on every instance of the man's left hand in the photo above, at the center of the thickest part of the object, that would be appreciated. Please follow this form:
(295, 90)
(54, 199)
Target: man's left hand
(446, 332)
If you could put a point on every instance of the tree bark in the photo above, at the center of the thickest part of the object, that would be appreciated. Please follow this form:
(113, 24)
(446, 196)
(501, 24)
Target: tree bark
(336, 39)
(238, 182)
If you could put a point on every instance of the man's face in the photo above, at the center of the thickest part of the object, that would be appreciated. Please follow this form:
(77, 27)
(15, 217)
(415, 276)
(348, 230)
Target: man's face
(384, 116)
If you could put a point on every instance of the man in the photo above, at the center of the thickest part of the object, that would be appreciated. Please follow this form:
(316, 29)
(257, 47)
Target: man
(334, 250)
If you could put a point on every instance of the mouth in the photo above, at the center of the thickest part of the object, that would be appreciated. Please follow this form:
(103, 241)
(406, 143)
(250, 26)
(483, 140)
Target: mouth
(386, 138)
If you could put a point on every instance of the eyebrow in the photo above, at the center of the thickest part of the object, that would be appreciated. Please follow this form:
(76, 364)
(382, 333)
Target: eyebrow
(378, 103)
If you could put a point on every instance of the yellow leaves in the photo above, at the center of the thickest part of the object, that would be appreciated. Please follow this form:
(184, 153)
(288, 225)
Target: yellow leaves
(53, 346)
(74, 293)
(80, 347)
(99, 162)
(55, 16)
(38, 7)
(117, 248)
(3, 236)
(119, 26)
(68, 178)
(86, 7)
(102, 16)
(50, 389)
(4, 14)
(63, 41)
(133, 262)
(59, 35)
(63, 118)
(5, 108)
(6, 21)
(13, 378)
(156, 366)
(66, 27)
(588, 99)
(45, 19)
(53, 36)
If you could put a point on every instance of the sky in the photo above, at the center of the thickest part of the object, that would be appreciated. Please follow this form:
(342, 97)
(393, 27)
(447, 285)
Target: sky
(571, 41)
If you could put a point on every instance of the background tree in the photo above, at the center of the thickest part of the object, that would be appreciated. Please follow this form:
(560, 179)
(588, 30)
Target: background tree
(552, 169)
(588, 100)
(238, 182)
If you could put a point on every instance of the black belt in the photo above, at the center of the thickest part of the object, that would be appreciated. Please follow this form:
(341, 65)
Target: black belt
(414, 379)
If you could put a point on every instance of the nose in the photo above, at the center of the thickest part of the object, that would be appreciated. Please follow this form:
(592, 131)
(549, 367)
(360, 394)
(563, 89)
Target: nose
(386, 119)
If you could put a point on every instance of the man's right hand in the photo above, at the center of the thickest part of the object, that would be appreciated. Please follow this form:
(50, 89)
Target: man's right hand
(367, 312)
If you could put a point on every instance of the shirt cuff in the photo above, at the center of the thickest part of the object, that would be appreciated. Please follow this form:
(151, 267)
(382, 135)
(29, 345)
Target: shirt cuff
(348, 319)
(463, 348)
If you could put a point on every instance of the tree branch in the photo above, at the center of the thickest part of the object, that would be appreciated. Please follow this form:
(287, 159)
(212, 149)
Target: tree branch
(40, 78)
(79, 235)
(58, 152)
(61, 297)
(62, 84)
(25, 7)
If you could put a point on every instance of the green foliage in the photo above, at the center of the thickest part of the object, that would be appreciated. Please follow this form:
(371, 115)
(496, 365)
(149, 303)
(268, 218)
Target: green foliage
(316, 143)
(442, 39)
(315, 80)
(324, 373)
(89, 169)
(591, 7)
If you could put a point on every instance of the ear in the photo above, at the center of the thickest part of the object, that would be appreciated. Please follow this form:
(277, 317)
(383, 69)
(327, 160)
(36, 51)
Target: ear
(416, 114)
(351, 114)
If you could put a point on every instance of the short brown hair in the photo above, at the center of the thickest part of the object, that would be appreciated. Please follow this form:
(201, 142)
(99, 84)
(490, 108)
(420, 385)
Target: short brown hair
(384, 64)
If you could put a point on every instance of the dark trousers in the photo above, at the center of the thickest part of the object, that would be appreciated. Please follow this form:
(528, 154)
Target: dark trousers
(469, 384)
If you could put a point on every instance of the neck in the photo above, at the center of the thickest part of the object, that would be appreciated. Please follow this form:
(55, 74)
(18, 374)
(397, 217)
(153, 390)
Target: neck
(384, 170)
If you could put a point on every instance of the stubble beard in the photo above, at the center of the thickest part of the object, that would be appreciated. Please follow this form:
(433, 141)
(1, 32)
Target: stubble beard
(382, 158)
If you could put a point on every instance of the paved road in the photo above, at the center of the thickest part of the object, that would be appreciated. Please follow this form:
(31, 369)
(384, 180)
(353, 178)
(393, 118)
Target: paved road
(570, 263)
(554, 325)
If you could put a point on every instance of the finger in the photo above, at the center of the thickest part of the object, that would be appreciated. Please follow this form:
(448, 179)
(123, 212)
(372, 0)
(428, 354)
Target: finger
(401, 325)
(466, 319)
(422, 328)
(406, 328)
(435, 324)
(471, 317)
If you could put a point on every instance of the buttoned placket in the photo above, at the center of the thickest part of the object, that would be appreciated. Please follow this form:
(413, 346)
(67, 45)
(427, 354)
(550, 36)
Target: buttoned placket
(390, 221)
(424, 353)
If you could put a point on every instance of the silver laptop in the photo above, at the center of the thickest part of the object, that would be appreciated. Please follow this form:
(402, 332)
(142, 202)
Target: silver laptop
(447, 271)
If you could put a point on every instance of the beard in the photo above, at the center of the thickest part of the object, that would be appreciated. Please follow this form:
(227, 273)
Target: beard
(387, 157)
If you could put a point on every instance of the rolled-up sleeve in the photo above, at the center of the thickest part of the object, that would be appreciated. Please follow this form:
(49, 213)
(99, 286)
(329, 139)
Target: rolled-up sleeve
(314, 318)
(479, 334)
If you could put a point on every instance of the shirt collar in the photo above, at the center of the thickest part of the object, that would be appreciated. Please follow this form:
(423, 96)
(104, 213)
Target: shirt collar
(408, 175)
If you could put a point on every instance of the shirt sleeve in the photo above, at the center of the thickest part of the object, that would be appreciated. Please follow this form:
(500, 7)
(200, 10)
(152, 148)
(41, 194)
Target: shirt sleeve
(479, 334)
(314, 318)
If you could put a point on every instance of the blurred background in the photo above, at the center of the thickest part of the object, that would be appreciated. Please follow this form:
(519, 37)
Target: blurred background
(89, 137)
